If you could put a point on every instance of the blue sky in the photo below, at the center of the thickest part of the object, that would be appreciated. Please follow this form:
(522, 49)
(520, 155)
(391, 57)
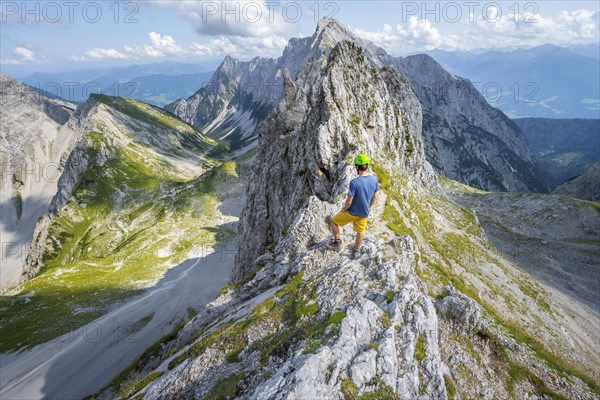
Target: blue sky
(68, 35)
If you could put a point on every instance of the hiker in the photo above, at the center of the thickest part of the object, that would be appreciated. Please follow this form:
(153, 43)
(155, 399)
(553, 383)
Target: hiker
(362, 194)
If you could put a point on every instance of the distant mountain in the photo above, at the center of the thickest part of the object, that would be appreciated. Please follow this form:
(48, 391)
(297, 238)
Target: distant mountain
(158, 83)
(159, 89)
(589, 50)
(465, 138)
(240, 95)
(565, 148)
(545, 81)
(585, 187)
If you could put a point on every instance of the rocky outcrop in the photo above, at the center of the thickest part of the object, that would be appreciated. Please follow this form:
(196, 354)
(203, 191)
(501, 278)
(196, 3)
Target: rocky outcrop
(585, 186)
(370, 342)
(332, 111)
(461, 311)
(35, 141)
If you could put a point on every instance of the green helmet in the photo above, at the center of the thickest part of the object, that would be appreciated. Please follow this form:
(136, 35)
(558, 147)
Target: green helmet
(362, 159)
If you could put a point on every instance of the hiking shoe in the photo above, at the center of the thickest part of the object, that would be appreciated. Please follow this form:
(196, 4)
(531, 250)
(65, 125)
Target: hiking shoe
(335, 243)
(355, 253)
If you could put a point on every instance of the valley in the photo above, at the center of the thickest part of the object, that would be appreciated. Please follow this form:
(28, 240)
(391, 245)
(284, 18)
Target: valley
(86, 359)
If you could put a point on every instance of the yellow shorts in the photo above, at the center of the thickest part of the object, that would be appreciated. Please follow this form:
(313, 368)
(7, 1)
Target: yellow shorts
(344, 218)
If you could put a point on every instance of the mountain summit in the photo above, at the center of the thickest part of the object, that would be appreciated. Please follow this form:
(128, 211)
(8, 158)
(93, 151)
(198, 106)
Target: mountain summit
(465, 138)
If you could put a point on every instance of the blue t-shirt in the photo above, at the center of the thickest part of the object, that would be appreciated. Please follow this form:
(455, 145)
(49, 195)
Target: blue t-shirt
(362, 188)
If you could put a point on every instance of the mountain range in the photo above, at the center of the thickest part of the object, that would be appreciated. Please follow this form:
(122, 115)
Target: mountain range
(427, 310)
(157, 83)
(465, 138)
(537, 82)
(446, 299)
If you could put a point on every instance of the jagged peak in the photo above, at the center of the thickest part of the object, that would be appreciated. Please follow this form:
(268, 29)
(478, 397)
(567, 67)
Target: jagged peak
(424, 59)
(330, 32)
(428, 66)
(229, 60)
(228, 64)
(330, 26)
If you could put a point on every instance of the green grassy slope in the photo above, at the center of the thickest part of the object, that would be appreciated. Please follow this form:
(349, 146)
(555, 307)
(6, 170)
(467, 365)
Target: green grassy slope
(133, 214)
(455, 250)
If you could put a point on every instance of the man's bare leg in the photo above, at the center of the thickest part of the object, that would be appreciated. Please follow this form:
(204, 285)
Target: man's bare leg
(335, 229)
(359, 240)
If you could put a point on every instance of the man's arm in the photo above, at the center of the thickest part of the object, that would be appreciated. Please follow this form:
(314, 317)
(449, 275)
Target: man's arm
(348, 202)
(373, 199)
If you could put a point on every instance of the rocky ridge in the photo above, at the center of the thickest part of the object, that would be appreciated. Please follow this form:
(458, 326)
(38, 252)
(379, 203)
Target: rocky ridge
(429, 309)
(305, 145)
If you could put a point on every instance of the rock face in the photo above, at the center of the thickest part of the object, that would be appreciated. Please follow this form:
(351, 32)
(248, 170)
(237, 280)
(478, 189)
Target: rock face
(465, 138)
(332, 111)
(585, 186)
(35, 140)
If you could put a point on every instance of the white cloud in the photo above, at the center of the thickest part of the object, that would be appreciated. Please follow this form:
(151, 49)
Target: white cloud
(24, 53)
(166, 44)
(12, 61)
(506, 30)
(246, 18)
(160, 46)
(240, 46)
(415, 34)
(99, 54)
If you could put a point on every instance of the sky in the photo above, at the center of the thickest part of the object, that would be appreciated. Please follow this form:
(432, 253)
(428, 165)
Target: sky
(54, 36)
